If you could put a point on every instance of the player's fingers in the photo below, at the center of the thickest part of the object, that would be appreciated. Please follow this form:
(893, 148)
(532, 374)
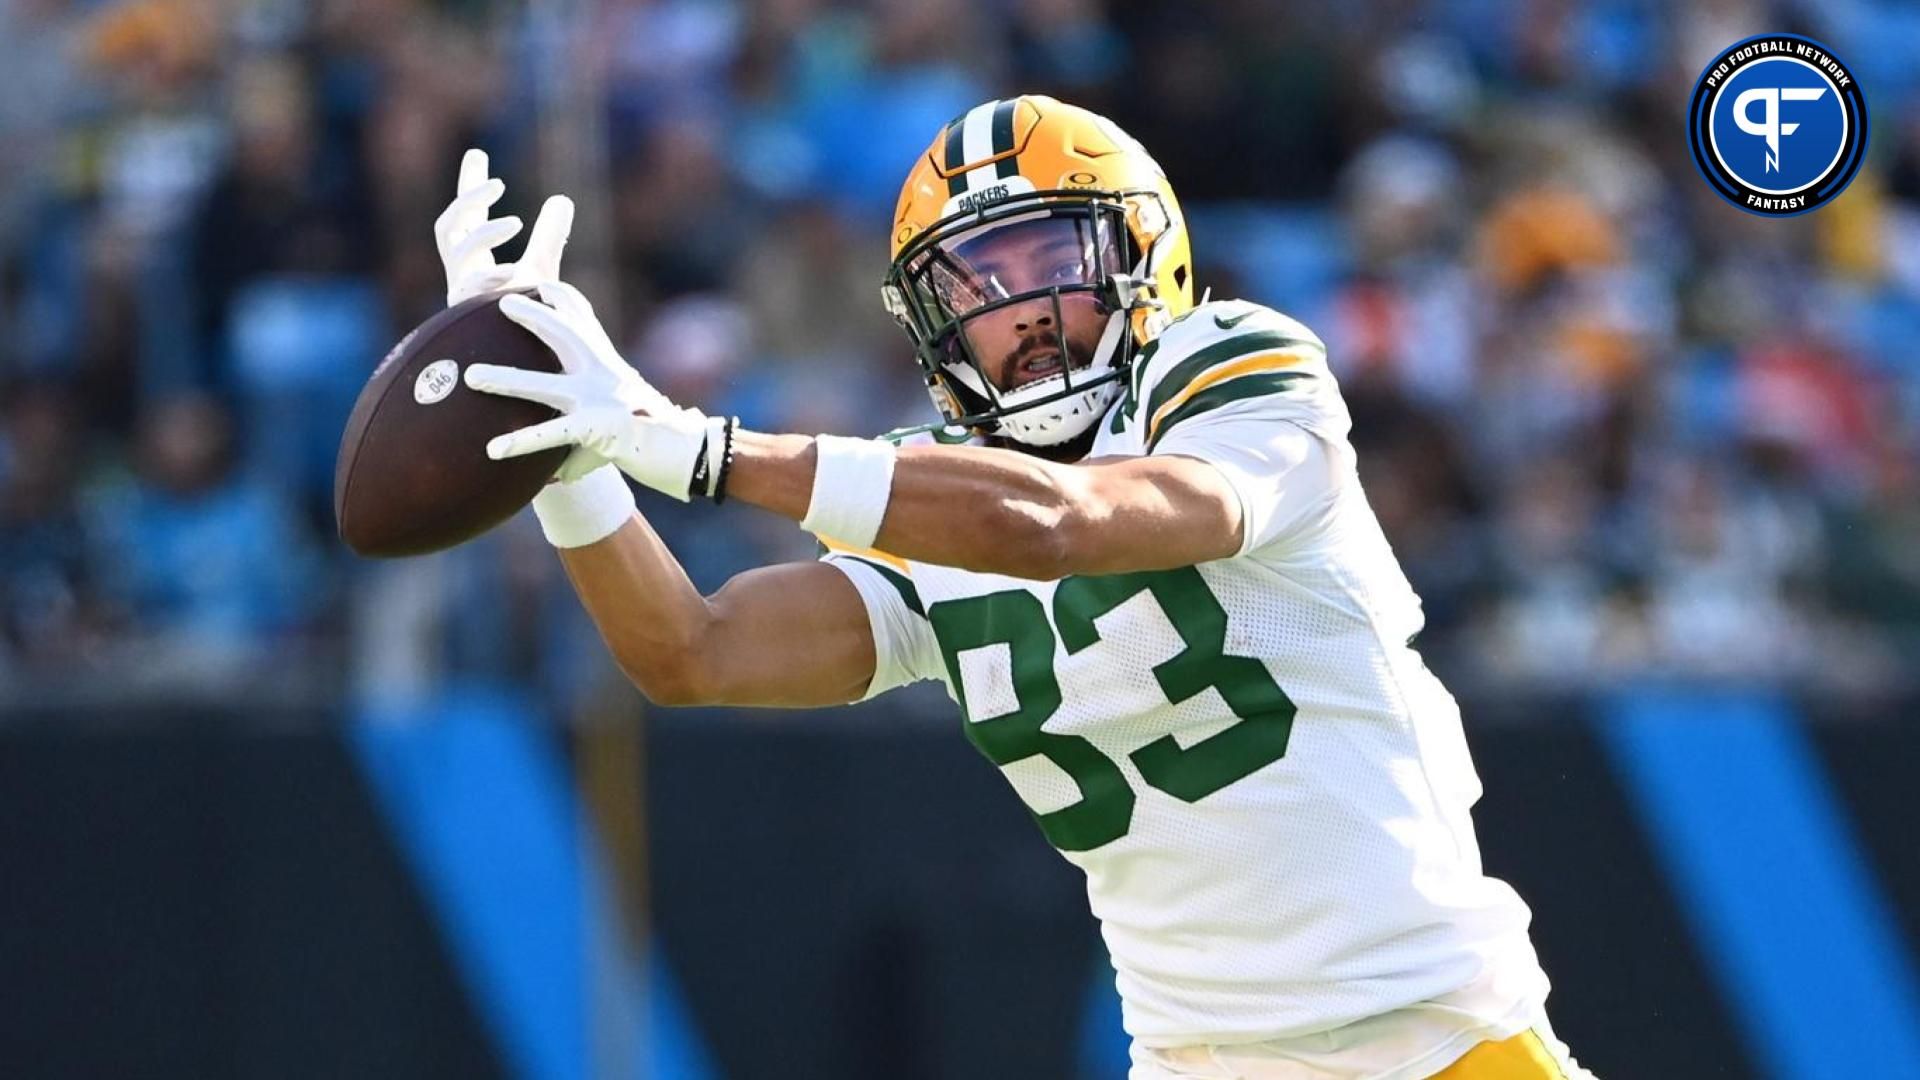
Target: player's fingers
(547, 325)
(473, 170)
(476, 251)
(542, 387)
(578, 464)
(489, 280)
(566, 299)
(494, 233)
(573, 304)
(468, 210)
(562, 431)
(541, 260)
(578, 310)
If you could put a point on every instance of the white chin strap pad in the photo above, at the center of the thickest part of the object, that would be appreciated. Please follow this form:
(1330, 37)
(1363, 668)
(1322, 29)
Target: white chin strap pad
(1060, 421)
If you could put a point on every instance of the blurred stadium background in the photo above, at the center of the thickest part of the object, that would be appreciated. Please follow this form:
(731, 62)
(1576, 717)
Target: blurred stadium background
(270, 811)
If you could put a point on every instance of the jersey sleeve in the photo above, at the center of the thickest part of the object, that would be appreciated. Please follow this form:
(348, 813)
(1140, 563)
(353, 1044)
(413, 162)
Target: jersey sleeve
(1248, 390)
(1283, 475)
(904, 648)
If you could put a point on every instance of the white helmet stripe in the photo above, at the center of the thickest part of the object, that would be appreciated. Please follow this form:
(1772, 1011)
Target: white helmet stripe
(976, 142)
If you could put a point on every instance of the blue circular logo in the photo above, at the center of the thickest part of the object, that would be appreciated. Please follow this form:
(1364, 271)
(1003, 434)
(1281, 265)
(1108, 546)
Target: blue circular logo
(1778, 125)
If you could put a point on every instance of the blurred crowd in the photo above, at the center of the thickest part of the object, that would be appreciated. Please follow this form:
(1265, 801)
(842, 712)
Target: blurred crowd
(1615, 428)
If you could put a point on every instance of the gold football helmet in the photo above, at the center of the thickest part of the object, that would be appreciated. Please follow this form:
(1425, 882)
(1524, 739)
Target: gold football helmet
(1077, 184)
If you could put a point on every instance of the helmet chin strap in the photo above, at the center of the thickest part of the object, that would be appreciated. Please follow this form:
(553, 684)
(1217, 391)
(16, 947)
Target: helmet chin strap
(1058, 421)
(1063, 420)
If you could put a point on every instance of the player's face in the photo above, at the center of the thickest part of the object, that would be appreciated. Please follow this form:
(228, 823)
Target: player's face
(1021, 342)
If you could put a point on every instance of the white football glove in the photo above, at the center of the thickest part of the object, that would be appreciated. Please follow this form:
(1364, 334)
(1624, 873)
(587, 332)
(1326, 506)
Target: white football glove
(608, 412)
(466, 238)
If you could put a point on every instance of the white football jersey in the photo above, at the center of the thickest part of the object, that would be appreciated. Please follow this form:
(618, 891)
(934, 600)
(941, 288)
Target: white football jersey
(1267, 789)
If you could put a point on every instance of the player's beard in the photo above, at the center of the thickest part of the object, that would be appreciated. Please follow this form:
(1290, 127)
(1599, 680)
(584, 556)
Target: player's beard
(1080, 349)
(1080, 343)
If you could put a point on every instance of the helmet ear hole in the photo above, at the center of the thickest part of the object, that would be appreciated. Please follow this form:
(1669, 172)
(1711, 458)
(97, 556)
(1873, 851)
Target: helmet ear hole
(1180, 275)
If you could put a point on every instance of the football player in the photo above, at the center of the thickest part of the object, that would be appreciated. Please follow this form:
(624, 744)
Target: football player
(1136, 553)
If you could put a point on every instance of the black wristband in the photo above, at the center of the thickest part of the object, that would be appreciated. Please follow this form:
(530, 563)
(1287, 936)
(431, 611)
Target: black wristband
(698, 482)
(726, 462)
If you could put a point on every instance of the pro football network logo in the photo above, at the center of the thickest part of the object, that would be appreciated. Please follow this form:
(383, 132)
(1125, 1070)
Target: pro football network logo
(1778, 125)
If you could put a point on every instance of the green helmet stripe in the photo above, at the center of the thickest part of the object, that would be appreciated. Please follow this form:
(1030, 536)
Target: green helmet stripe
(1003, 140)
(956, 156)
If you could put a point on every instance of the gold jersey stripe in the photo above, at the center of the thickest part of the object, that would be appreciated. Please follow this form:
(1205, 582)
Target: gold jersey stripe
(1246, 365)
(875, 554)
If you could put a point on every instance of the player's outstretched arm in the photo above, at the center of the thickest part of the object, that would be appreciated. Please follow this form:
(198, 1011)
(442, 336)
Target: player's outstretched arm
(972, 507)
(1000, 511)
(792, 635)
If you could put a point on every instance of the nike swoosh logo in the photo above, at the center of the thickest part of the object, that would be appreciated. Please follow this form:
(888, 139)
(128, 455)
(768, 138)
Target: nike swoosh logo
(1228, 324)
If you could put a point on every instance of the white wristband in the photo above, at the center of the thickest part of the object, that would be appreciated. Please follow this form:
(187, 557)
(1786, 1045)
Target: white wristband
(586, 511)
(852, 480)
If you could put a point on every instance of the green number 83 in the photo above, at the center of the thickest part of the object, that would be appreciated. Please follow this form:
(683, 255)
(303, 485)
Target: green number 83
(1104, 810)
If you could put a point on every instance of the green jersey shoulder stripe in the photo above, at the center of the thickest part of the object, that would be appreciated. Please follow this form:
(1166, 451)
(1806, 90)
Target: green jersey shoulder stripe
(1180, 374)
(1258, 384)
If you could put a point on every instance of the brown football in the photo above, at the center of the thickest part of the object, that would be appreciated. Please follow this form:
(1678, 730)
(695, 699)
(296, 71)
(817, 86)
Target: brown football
(413, 474)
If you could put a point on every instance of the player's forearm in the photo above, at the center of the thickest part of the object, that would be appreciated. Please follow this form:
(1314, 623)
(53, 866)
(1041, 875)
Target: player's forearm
(1021, 516)
(647, 610)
